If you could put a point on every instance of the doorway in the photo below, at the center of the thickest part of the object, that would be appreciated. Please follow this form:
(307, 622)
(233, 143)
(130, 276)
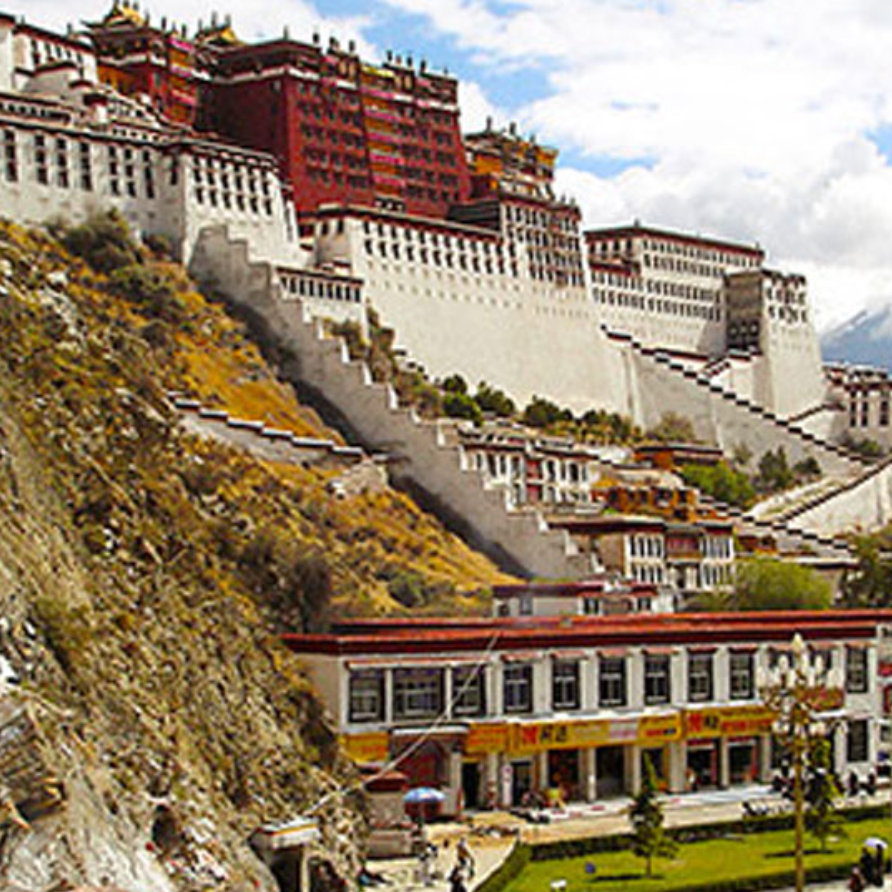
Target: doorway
(470, 784)
(611, 764)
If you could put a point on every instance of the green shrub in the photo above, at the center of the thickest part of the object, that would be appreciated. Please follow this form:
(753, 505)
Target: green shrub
(104, 241)
(151, 287)
(576, 848)
(509, 870)
(543, 413)
(491, 399)
(460, 405)
(673, 428)
(721, 482)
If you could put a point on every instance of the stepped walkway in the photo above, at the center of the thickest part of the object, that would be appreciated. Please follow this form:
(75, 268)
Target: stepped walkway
(423, 461)
(721, 414)
(858, 496)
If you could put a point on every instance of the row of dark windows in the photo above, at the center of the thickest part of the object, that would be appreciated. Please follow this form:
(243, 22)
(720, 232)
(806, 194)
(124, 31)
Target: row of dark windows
(419, 693)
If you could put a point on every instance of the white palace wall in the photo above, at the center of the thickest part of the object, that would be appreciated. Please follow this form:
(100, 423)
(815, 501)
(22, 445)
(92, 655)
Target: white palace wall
(529, 338)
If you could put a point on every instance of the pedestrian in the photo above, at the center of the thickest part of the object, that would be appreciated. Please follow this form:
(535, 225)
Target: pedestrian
(856, 881)
(457, 880)
(464, 858)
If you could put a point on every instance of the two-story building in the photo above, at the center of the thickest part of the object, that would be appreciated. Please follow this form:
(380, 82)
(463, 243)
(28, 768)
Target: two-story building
(489, 710)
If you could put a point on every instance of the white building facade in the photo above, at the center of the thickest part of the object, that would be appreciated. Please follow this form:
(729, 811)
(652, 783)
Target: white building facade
(493, 713)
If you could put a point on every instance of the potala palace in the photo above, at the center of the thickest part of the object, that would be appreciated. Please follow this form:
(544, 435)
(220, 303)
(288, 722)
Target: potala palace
(307, 183)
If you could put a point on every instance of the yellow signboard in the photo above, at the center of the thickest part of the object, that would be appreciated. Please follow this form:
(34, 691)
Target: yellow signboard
(486, 739)
(373, 746)
(655, 729)
(728, 721)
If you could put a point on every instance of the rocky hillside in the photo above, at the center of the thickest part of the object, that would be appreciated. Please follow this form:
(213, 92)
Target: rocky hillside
(154, 721)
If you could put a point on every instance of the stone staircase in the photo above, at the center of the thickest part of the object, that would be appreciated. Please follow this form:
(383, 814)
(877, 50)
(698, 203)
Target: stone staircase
(422, 460)
(723, 416)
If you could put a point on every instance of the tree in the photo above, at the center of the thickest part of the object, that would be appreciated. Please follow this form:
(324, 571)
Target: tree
(460, 405)
(770, 584)
(742, 455)
(870, 585)
(673, 428)
(774, 471)
(491, 399)
(544, 413)
(455, 384)
(649, 837)
(721, 482)
(822, 819)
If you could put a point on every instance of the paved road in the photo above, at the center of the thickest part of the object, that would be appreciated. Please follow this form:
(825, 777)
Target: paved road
(491, 834)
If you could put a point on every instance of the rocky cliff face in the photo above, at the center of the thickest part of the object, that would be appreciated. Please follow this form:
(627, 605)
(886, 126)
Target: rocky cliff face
(149, 718)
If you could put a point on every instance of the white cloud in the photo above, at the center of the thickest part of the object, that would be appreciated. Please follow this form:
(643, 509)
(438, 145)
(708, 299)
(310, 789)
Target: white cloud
(252, 19)
(476, 107)
(754, 115)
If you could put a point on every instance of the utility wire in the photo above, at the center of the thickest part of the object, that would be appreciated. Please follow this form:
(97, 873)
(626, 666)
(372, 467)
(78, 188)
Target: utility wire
(440, 720)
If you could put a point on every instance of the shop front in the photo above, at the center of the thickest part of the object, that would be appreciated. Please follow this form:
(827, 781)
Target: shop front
(702, 764)
(727, 745)
(743, 759)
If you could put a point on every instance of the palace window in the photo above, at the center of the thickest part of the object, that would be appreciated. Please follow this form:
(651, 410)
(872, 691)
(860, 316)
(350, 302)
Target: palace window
(41, 159)
(565, 684)
(62, 178)
(469, 691)
(857, 741)
(856, 670)
(517, 687)
(699, 677)
(367, 695)
(612, 681)
(741, 670)
(10, 161)
(86, 167)
(417, 693)
(114, 171)
(657, 678)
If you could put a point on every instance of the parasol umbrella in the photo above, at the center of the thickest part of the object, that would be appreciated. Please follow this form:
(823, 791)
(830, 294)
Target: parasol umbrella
(875, 842)
(423, 795)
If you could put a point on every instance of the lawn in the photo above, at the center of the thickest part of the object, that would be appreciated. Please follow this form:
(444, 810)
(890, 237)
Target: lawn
(698, 862)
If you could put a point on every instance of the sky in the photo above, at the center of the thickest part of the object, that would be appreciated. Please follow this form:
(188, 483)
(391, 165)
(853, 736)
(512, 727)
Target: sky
(765, 121)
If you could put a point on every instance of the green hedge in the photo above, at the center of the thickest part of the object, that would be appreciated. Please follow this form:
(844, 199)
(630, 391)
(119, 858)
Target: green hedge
(508, 870)
(781, 880)
(575, 848)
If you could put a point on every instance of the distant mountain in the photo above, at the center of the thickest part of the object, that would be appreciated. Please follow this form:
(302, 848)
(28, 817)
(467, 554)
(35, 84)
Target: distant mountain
(865, 338)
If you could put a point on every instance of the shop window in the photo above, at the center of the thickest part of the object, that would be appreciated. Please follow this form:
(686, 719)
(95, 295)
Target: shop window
(699, 677)
(857, 741)
(856, 670)
(417, 693)
(469, 691)
(741, 676)
(367, 696)
(565, 684)
(657, 678)
(517, 688)
(612, 681)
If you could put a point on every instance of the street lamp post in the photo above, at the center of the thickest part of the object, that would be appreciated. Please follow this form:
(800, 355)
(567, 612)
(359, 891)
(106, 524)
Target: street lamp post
(795, 691)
